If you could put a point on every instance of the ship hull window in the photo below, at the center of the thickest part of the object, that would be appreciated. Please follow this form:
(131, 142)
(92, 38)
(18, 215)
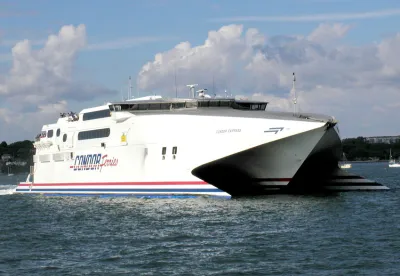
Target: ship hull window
(96, 115)
(50, 133)
(94, 134)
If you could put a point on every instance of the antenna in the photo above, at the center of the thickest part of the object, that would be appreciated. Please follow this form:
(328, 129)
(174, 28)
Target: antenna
(130, 88)
(191, 87)
(294, 95)
(213, 85)
(176, 88)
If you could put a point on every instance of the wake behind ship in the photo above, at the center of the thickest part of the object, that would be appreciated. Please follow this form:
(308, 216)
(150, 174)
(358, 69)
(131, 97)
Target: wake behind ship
(188, 147)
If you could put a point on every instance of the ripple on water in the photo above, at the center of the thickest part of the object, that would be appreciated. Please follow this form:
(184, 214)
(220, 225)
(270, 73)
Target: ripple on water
(337, 234)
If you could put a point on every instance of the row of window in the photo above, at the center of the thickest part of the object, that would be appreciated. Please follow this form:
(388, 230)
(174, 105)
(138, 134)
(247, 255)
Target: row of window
(50, 133)
(174, 150)
(83, 135)
(96, 115)
(94, 134)
(100, 133)
(249, 106)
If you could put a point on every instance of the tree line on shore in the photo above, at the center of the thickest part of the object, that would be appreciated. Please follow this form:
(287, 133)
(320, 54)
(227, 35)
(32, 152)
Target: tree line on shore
(20, 151)
(359, 149)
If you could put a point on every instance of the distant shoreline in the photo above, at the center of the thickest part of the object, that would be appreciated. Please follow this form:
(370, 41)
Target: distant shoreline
(368, 161)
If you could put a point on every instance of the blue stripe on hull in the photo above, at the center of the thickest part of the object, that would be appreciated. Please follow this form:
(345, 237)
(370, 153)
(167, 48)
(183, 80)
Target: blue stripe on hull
(183, 196)
(149, 193)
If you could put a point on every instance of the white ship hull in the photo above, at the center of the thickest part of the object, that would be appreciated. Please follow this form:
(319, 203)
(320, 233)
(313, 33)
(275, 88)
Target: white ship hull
(205, 154)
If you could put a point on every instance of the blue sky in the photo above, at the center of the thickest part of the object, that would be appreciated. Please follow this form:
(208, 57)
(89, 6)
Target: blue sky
(174, 20)
(122, 36)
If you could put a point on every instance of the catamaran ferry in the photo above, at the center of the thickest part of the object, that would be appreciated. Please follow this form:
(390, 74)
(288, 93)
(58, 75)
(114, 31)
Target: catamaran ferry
(155, 147)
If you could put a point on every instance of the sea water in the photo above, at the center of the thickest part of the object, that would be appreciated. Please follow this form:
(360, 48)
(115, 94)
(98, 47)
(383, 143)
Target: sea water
(352, 233)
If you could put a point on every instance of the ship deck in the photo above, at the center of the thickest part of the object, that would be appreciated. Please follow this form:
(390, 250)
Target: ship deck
(213, 107)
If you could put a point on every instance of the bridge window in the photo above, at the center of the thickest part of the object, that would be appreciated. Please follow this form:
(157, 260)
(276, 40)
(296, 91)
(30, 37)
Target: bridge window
(58, 132)
(96, 115)
(249, 106)
(94, 134)
(64, 137)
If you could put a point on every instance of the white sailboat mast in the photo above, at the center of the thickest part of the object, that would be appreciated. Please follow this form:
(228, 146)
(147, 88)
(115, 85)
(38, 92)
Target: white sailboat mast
(294, 95)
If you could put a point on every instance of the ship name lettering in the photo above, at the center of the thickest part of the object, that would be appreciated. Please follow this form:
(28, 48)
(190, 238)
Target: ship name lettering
(228, 130)
(108, 162)
(88, 159)
(93, 162)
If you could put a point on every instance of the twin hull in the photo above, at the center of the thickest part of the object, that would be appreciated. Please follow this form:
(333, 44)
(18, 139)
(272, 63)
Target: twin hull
(183, 155)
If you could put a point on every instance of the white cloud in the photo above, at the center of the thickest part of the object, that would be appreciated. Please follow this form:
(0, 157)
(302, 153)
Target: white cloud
(39, 77)
(42, 72)
(311, 17)
(46, 69)
(358, 85)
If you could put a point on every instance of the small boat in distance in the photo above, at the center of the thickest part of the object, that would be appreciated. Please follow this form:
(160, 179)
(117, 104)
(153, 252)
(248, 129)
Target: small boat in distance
(392, 162)
(344, 164)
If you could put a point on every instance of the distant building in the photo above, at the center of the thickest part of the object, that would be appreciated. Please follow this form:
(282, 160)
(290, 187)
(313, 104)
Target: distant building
(6, 157)
(382, 139)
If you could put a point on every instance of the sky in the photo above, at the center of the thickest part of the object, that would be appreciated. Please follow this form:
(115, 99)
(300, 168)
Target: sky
(60, 56)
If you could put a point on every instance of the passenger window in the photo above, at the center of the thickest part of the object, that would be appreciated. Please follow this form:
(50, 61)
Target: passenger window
(50, 133)
(164, 150)
(174, 150)
(94, 134)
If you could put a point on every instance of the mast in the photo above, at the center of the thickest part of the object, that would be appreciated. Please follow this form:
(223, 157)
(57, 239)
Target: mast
(130, 88)
(213, 86)
(294, 95)
(176, 88)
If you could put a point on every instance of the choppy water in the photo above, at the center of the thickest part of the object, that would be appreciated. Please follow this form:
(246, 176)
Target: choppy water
(354, 233)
